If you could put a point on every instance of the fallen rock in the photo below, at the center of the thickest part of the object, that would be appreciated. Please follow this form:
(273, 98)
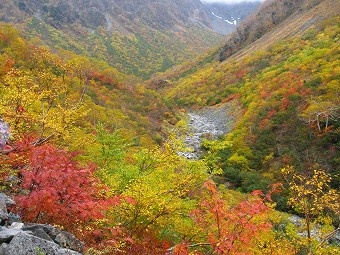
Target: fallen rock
(3, 211)
(44, 231)
(7, 235)
(8, 201)
(16, 225)
(12, 218)
(68, 240)
(4, 133)
(29, 238)
(2, 248)
(209, 123)
(3, 216)
(5, 202)
(39, 232)
(26, 244)
(36, 226)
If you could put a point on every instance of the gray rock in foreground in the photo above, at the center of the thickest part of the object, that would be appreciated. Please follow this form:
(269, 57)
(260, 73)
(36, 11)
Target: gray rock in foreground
(67, 240)
(33, 239)
(7, 235)
(26, 244)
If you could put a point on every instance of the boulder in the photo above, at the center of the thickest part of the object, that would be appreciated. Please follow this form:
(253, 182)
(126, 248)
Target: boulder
(4, 133)
(30, 238)
(46, 227)
(3, 216)
(42, 230)
(13, 218)
(3, 211)
(50, 233)
(16, 225)
(2, 248)
(5, 202)
(39, 232)
(26, 244)
(7, 235)
(67, 240)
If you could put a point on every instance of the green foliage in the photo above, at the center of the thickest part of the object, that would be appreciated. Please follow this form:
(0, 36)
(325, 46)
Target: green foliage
(63, 98)
(290, 99)
(110, 156)
(162, 188)
(289, 96)
(139, 54)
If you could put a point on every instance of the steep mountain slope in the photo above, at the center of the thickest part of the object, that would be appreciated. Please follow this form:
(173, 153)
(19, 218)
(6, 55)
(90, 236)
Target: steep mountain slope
(297, 24)
(116, 13)
(308, 15)
(285, 17)
(138, 37)
(289, 94)
(258, 32)
(65, 98)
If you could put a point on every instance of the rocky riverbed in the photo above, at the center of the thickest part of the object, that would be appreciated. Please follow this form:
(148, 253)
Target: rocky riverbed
(209, 123)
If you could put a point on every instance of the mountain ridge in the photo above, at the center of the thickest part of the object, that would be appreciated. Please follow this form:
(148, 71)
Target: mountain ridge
(114, 13)
(287, 85)
(138, 38)
(270, 16)
(292, 26)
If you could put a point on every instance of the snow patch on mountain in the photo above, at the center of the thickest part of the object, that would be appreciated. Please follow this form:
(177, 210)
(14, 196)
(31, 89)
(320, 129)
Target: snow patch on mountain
(233, 22)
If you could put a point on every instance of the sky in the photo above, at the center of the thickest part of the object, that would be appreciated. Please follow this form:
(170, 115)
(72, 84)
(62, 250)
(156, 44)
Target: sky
(229, 1)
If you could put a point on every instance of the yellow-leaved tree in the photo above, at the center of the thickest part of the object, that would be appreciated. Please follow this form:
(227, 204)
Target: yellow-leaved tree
(41, 96)
(312, 196)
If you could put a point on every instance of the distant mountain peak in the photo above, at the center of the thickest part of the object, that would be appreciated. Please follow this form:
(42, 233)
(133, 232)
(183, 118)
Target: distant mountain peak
(125, 15)
(227, 16)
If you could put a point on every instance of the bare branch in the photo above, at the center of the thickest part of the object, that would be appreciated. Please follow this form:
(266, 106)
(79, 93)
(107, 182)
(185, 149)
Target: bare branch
(330, 235)
(191, 246)
(41, 141)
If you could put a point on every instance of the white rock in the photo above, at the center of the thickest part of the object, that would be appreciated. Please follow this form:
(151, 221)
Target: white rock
(16, 225)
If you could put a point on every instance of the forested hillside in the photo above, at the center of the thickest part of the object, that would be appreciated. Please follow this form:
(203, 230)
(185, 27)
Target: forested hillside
(136, 37)
(53, 96)
(276, 20)
(290, 100)
(86, 144)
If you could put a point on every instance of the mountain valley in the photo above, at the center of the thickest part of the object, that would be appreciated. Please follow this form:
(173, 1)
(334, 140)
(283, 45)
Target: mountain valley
(171, 127)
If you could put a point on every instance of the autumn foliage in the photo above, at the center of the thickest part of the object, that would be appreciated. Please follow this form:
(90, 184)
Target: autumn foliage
(136, 197)
(57, 189)
(231, 229)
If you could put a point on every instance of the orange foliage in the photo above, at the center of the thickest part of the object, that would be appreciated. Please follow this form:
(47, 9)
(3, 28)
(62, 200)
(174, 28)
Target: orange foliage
(232, 230)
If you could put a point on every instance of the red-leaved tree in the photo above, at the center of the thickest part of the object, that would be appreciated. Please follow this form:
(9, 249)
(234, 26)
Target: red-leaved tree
(231, 230)
(56, 189)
